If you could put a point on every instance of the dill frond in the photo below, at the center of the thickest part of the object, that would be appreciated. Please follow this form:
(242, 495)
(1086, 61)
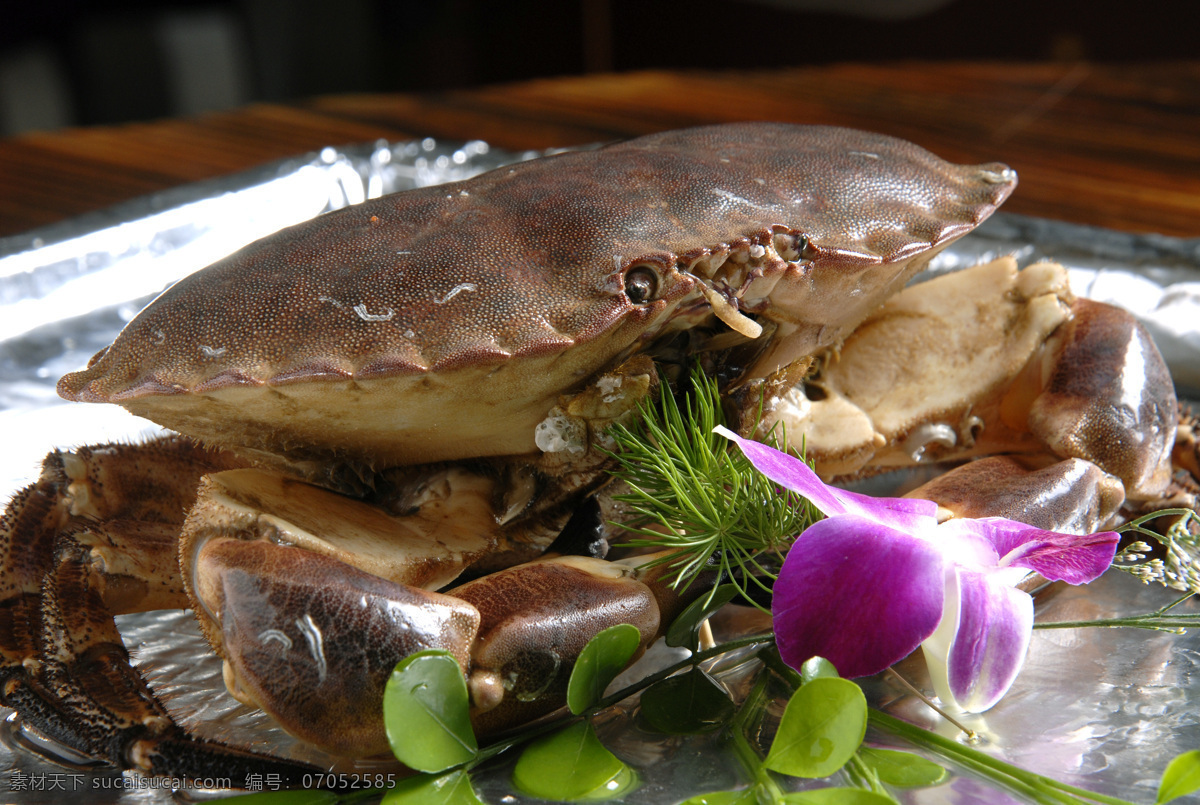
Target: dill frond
(691, 491)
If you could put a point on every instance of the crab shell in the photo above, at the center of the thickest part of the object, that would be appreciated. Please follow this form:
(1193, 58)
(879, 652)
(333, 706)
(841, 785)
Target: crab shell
(443, 323)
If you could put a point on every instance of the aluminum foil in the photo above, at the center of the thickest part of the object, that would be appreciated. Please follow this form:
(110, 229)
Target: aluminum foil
(1102, 709)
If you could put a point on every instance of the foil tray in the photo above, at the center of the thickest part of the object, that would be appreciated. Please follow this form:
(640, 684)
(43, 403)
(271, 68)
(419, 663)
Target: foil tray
(1101, 709)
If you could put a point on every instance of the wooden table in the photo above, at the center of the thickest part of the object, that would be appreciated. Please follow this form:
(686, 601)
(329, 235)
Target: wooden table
(1110, 145)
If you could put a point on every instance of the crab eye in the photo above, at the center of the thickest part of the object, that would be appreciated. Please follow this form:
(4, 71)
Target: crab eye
(641, 284)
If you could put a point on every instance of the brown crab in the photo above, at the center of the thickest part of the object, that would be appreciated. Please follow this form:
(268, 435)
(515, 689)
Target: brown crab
(384, 398)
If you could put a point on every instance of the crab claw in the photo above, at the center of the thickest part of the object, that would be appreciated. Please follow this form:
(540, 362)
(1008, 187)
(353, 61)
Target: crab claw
(309, 596)
(294, 627)
(537, 618)
(1107, 397)
(993, 360)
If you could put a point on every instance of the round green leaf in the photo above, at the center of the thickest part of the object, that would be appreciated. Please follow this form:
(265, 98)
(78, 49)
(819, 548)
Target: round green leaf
(747, 796)
(837, 796)
(626, 780)
(686, 704)
(903, 769)
(426, 789)
(605, 656)
(685, 629)
(822, 727)
(816, 668)
(1182, 777)
(425, 713)
(572, 765)
(292, 797)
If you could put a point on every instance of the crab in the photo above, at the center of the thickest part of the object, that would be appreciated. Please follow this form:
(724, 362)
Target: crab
(390, 415)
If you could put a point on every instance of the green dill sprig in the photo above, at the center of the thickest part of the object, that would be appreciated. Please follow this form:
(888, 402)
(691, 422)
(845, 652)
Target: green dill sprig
(1180, 569)
(689, 492)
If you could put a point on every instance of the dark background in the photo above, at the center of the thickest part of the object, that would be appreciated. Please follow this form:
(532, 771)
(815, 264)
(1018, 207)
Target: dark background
(68, 62)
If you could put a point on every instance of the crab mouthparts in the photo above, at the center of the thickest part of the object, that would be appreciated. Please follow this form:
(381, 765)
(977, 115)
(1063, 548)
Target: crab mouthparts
(727, 312)
(732, 276)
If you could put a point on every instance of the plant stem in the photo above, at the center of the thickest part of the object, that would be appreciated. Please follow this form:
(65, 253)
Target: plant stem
(695, 659)
(1157, 620)
(493, 749)
(1032, 786)
(970, 733)
(1173, 625)
(788, 674)
(742, 748)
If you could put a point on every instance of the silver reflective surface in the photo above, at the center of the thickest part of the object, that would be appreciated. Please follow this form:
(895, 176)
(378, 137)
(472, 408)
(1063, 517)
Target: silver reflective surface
(1103, 709)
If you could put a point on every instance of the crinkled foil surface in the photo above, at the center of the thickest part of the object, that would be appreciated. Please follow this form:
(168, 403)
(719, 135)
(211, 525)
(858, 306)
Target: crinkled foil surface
(1101, 709)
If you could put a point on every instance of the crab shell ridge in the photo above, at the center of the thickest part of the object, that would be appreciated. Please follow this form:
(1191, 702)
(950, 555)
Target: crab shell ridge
(444, 322)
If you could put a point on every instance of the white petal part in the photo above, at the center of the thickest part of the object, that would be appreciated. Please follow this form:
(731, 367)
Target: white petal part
(980, 645)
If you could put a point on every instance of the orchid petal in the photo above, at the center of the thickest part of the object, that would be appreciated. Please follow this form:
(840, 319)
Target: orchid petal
(909, 514)
(878, 577)
(963, 543)
(980, 645)
(857, 593)
(1075, 559)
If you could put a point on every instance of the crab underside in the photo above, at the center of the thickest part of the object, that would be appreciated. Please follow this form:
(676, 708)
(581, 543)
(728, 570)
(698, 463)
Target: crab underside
(392, 412)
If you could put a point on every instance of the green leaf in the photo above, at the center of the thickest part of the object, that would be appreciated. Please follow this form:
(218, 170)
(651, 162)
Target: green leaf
(685, 630)
(686, 704)
(294, 797)
(425, 713)
(903, 769)
(604, 656)
(822, 727)
(837, 796)
(426, 789)
(817, 668)
(746, 796)
(572, 765)
(1182, 777)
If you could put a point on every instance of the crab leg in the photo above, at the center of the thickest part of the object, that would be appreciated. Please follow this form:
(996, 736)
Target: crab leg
(93, 537)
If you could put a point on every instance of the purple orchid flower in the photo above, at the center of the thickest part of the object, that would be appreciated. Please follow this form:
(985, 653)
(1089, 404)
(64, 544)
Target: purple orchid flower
(880, 576)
